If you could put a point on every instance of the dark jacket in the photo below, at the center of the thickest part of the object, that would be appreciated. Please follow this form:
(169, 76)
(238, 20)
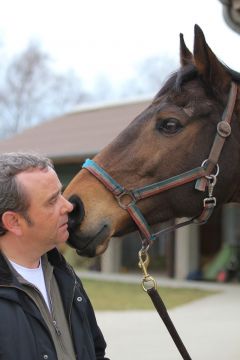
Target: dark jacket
(23, 333)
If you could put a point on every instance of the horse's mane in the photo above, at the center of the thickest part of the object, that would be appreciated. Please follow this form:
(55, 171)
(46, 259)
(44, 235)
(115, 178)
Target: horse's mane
(234, 74)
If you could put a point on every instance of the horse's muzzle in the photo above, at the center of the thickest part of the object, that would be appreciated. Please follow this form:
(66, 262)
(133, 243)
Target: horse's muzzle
(76, 216)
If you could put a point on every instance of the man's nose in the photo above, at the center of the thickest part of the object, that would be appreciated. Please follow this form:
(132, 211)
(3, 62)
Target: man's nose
(68, 205)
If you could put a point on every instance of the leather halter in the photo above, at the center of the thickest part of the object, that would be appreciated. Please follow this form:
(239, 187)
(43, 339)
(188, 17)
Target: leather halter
(127, 199)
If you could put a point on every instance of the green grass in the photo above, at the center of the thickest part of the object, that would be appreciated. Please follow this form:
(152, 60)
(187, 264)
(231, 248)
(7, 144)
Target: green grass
(106, 295)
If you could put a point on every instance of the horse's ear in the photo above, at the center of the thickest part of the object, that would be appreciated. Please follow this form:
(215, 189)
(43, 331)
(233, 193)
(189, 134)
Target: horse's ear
(209, 67)
(186, 56)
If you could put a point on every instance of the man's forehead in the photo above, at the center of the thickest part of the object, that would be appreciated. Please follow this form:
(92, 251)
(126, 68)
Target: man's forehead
(37, 176)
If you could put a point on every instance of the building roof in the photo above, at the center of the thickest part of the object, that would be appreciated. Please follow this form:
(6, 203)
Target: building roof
(78, 134)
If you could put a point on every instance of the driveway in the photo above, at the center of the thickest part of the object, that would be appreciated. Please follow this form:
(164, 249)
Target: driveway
(209, 327)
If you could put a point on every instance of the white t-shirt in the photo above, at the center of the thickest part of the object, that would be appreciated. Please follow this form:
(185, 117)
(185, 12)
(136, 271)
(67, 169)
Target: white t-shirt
(35, 277)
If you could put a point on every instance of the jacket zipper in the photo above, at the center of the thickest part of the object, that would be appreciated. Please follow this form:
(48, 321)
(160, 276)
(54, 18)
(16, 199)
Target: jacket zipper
(73, 292)
(70, 310)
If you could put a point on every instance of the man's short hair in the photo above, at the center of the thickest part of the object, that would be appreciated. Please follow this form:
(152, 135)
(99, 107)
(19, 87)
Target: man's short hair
(13, 196)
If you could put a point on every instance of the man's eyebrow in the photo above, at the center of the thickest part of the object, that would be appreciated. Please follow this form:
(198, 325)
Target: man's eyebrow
(54, 195)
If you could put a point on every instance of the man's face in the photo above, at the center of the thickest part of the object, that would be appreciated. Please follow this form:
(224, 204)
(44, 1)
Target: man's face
(45, 225)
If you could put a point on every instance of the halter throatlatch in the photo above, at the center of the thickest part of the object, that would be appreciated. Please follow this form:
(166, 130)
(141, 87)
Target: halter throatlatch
(203, 175)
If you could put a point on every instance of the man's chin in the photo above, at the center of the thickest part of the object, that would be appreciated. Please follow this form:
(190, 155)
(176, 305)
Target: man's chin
(63, 234)
(62, 240)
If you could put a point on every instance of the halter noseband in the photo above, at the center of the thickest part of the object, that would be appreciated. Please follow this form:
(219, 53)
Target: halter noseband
(127, 199)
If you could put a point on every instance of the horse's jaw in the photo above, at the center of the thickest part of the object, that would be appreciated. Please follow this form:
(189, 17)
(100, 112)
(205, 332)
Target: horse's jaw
(90, 244)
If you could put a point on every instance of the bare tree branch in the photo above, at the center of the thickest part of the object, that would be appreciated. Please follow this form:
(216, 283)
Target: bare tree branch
(31, 91)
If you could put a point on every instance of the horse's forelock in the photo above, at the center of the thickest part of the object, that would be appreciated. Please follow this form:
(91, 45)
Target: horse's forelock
(177, 79)
(193, 99)
(186, 73)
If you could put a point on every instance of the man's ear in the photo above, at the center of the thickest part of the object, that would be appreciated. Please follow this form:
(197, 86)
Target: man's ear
(12, 222)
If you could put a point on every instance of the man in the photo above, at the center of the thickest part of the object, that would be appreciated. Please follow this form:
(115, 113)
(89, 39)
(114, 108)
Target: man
(44, 310)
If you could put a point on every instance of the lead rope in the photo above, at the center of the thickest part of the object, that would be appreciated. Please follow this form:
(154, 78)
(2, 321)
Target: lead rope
(149, 285)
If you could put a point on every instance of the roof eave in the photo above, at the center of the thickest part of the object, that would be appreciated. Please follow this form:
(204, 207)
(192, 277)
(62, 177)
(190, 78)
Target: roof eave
(70, 158)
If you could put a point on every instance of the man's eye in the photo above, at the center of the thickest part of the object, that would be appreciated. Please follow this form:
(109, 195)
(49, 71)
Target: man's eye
(169, 126)
(53, 201)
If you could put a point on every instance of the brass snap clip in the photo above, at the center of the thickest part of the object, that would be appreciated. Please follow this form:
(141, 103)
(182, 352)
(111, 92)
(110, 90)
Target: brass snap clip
(148, 282)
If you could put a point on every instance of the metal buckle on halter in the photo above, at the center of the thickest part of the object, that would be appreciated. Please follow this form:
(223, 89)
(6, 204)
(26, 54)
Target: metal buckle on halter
(209, 202)
(224, 128)
(127, 194)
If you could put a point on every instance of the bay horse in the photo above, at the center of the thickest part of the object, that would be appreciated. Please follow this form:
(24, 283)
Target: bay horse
(165, 164)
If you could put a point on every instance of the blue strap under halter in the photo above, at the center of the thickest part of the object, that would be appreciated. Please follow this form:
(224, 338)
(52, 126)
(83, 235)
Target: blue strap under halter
(103, 176)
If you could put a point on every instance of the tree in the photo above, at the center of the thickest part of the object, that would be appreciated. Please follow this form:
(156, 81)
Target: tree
(31, 91)
(150, 75)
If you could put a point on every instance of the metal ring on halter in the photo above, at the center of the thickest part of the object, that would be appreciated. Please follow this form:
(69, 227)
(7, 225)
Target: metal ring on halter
(127, 194)
(210, 176)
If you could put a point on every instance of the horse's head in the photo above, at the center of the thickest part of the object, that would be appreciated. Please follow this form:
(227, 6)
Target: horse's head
(172, 136)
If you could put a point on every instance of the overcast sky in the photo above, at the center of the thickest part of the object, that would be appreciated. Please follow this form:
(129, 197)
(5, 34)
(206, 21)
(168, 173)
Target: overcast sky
(109, 37)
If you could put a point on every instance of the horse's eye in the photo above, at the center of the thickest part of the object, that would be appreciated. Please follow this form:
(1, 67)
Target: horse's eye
(169, 126)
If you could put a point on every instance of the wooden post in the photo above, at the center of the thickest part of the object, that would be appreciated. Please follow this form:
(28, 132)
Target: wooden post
(186, 250)
(111, 259)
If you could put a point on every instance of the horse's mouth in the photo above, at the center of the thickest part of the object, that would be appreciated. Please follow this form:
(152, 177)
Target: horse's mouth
(92, 246)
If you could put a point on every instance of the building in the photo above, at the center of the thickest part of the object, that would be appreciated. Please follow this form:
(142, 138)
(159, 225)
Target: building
(71, 138)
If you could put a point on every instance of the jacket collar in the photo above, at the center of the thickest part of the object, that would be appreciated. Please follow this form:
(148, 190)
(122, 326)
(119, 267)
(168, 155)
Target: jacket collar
(64, 275)
(8, 278)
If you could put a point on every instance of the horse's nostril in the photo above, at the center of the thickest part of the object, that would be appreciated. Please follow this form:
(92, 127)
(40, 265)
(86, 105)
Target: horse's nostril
(77, 214)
